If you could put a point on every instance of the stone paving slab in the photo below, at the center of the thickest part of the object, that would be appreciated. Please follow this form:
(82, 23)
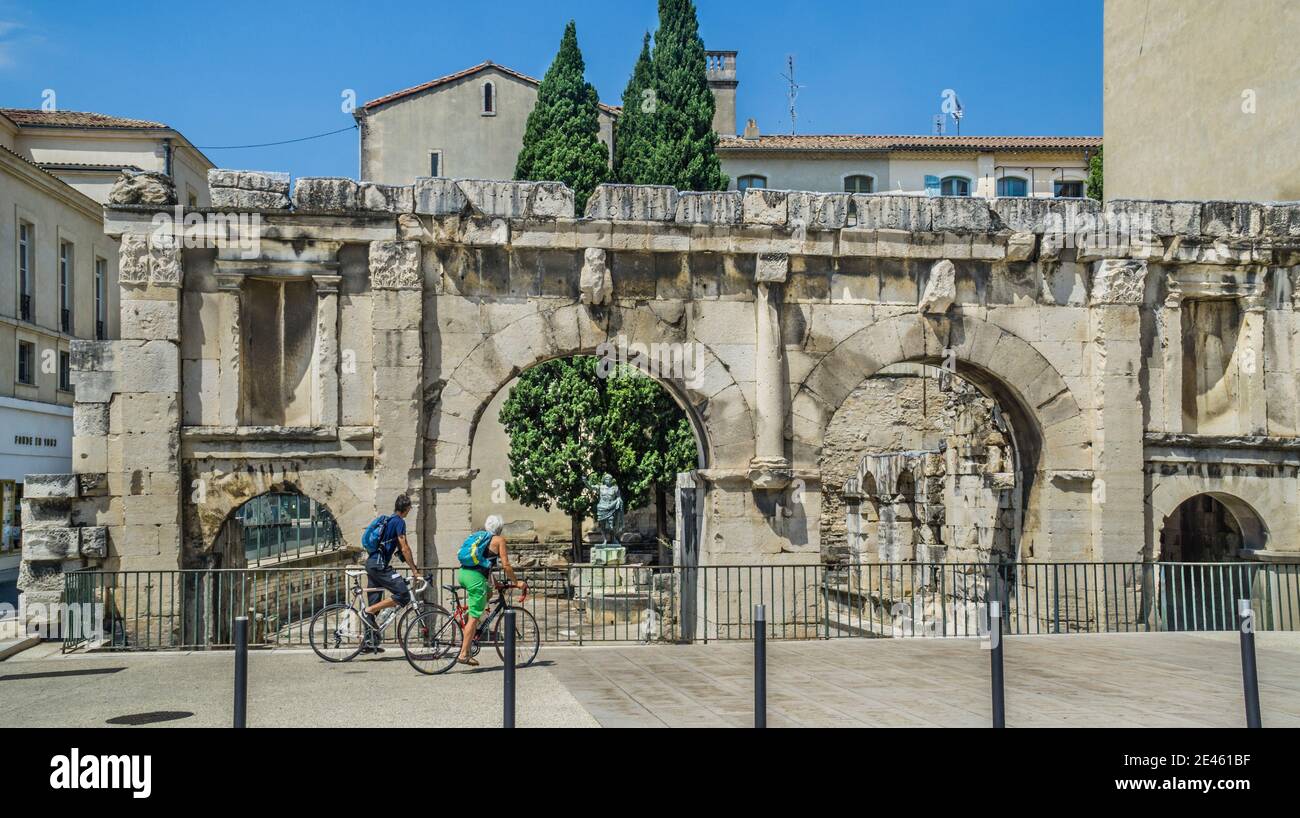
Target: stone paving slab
(1113, 680)
(285, 688)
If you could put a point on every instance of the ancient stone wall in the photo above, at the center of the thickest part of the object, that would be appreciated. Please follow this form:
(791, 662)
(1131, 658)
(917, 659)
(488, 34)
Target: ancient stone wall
(428, 299)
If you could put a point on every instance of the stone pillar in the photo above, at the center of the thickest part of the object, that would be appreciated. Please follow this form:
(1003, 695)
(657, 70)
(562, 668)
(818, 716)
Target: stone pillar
(1117, 497)
(231, 349)
(325, 380)
(396, 309)
(1253, 405)
(769, 469)
(447, 513)
(1171, 328)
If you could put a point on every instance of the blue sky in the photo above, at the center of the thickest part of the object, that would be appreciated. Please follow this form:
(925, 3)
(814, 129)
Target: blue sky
(235, 73)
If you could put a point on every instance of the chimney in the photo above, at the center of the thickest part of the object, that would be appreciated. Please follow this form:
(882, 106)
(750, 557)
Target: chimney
(751, 129)
(720, 66)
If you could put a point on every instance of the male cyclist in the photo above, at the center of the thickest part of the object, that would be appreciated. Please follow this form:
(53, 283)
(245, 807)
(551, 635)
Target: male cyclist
(479, 554)
(381, 574)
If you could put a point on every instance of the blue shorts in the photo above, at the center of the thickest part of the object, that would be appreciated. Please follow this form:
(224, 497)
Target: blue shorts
(389, 580)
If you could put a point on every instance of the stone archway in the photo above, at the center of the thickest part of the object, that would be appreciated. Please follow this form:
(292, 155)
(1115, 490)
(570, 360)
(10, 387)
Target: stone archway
(1050, 435)
(712, 399)
(1210, 527)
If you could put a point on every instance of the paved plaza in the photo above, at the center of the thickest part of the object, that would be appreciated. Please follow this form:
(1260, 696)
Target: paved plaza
(1118, 680)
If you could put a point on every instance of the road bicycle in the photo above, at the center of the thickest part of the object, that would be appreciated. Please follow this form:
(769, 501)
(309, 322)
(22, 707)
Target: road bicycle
(432, 640)
(338, 632)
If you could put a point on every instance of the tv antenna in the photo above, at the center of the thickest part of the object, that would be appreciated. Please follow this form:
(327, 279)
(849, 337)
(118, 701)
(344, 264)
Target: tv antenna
(792, 91)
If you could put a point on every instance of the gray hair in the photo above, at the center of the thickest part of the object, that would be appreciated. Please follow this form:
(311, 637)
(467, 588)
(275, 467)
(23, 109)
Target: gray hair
(493, 524)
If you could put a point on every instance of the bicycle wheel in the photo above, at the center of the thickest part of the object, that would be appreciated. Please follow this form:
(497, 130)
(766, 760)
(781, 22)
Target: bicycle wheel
(432, 642)
(528, 638)
(336, 633)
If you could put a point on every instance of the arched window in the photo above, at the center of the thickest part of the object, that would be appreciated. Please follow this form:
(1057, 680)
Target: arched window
(1013, 186)
(859, 184)
(954, 186)
(489, 99)
(751, 180)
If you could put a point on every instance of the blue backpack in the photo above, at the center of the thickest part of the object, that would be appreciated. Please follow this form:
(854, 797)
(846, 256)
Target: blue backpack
(370, 538)
(474, 551)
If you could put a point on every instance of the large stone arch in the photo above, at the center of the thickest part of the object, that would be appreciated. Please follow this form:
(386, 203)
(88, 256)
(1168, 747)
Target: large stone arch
(1048, 423)
(220, 487)
(713, 400)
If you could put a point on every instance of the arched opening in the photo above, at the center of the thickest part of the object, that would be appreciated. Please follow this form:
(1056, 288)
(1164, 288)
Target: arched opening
(1197, 591)
(489, 99)
(274, 528)
(562, 446)
(944, 467)
(1210, 527)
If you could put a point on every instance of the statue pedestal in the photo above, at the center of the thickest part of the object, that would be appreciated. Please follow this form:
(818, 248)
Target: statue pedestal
(608, 554)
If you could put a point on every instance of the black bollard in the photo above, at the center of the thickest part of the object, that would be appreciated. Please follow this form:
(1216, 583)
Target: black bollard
(760, 666)
(1249, 671)
(995, 658)
(508, 717)
(241, 671)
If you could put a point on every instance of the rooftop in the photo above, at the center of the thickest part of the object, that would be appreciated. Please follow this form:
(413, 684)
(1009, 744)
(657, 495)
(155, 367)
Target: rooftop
(36, 118)
(880, 142)
(459, 75)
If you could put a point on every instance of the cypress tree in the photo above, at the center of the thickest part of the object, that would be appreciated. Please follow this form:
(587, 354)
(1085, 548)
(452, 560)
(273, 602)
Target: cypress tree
(684, 152)
(634, 134)
(562, 138)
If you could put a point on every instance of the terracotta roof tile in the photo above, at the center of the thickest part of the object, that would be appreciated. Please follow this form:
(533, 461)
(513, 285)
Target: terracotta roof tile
(73, 119)
(875, 142)
(459, 75)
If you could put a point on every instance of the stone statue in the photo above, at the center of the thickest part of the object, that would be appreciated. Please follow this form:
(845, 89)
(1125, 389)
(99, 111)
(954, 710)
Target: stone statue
(609, 507)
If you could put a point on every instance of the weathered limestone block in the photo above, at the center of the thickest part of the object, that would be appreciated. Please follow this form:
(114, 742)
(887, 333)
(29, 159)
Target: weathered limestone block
(1232, 219)
(961, 214)
(940, 289)
(1282, 220)
(89, 419)
(133, 259)
(46, 513)
(266, 181)
(772, 267)
(1160, 218)
(550, 200)
(40, 486)
(231, 198)
(884, 211)
(1119, 281)
(50, 544)
(486, 197)
(436, 196)
(595, 285)
(149, 366)
(1021, 246)
(1023, 214)
(142, 187)
(710, 207)
(387, 198)
(92, 484)
(94, 541)
(395, 265)
(642, 203)
(150, 320)
(326, 194)
(818, 211)
(769, 207)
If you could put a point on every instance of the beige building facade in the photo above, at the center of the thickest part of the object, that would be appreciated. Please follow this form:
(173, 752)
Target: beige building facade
(1201, 98)
(467, 125)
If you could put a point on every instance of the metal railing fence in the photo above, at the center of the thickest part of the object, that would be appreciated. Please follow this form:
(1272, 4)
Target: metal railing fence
(190, 609)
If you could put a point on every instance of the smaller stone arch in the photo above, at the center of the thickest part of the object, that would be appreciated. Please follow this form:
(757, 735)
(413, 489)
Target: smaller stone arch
(1209, 526)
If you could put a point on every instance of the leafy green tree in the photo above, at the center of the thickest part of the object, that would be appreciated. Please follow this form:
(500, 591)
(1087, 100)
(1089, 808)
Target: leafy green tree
(554, 418)
(684, 152)
(566, 422)
(634, 133)
(1095, 176)
(562, 137)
